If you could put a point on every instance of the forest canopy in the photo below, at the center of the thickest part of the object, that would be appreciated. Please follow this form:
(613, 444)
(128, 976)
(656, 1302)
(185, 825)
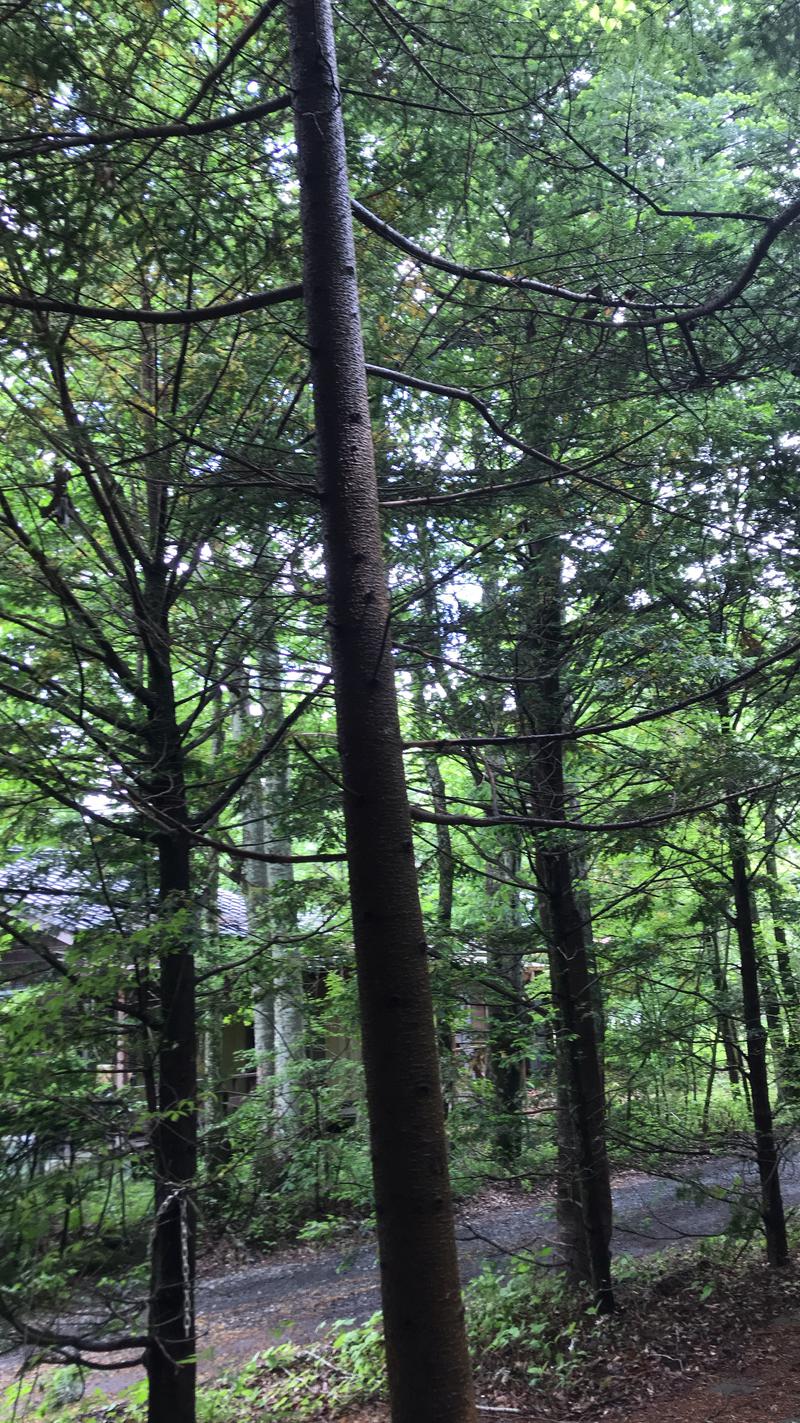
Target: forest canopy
(398, 641)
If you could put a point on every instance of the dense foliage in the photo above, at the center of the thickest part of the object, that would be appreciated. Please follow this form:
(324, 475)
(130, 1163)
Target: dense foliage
(578, 267)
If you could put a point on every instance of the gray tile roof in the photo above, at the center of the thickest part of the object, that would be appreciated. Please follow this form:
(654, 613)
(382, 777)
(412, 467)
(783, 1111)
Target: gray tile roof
(46, 893)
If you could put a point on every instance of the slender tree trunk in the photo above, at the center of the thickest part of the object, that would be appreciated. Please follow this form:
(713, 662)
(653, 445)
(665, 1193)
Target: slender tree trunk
(445, 864)
(767, 1155)
(288, 1002)
(766, 1146)
(725, 1020)
(428, 1364)
(583, 899)
(211, 1099)
(772, 1004)
(170, 1353)
(541, 654)
(445, 875)
(255, 885)
(788, 984)
(712, 1073)
(508, 1016)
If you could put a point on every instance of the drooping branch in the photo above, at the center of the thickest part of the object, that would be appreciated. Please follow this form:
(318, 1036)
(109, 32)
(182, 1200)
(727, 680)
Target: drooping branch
(642, 822)
(144, 316)
(580, 472)
(35, 145)
(603, 728)
(244, 36)
(642, 313)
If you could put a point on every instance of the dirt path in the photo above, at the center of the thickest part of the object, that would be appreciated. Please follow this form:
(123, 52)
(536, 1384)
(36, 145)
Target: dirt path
(295, 1292)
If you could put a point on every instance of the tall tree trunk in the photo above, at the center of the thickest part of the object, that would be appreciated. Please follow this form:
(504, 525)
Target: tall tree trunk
(445, 876)
(170, 1354)
(725, 1019)
(572, 1237)
(288, 1009)
(583, 899)
(788, 985)
(255, 884)
(541, 654)
(445, 864)
(211, 1105)
(766, 1146)
(508, 1017)
(767, 1156)
(427, 1359)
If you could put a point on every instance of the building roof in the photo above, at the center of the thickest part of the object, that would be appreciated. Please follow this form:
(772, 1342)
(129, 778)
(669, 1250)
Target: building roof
(47, 893)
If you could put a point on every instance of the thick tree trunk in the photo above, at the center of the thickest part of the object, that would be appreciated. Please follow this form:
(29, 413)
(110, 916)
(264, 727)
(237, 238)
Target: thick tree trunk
(766, 1146)
(578, 1041)
(428, 1364)
(572, 1237)
(170, 1354)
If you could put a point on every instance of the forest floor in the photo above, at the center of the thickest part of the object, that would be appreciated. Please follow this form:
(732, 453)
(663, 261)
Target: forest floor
(293, 1293)
(757, 1383)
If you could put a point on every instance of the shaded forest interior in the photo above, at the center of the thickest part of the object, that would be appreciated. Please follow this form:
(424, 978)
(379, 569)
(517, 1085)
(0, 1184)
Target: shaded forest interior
(399, 572)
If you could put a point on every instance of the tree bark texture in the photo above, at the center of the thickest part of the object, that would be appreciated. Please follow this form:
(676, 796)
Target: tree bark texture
(428, 1364)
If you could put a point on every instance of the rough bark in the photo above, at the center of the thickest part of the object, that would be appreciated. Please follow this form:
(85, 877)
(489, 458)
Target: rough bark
(428, 1364)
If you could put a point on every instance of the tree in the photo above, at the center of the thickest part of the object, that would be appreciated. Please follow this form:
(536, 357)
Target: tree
(427, 1360)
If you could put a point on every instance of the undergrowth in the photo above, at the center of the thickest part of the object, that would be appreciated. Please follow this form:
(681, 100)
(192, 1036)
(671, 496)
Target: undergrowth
(530, 1337)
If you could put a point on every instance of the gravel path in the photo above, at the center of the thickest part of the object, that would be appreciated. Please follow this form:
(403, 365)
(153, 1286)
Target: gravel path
(295, 1292)
(292, 1294)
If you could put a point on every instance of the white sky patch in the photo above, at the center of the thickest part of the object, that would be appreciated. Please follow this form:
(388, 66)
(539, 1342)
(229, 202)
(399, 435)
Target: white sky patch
(100, 804)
